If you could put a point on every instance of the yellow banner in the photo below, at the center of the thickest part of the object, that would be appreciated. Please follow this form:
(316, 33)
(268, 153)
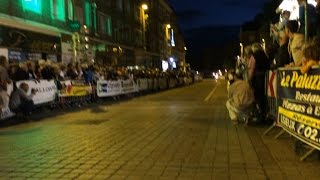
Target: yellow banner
(76, 91)
(301, 118)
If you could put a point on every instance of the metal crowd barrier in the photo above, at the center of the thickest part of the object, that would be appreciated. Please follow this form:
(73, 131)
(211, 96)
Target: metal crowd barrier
(73, 93)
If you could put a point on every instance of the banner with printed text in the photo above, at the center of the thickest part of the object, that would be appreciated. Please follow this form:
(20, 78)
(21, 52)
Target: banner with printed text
(46, 90)
(299, 104)
(108, 88)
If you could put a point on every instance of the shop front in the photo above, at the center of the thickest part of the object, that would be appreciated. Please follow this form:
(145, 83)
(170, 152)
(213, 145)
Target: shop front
(21, 45)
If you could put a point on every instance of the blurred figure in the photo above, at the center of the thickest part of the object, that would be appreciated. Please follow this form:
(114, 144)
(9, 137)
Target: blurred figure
(311, 52)
(262, 65)
(4, 81)
(22, 72)
(31, 70)
(311, 15)
(282, 56)
(250, 63)
(20, 101)
(240, 97)
(47, 71)
(71, 72)
(296, 41)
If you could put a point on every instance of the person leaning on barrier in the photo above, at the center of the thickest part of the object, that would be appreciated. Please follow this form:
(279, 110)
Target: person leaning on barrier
(20, 101)
(282, 56)
(296, 41)
(311, 52)
(240, 97)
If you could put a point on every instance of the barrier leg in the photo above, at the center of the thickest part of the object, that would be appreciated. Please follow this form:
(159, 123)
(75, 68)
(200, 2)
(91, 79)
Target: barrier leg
(279, 134)
(308, 153)
(269, 129)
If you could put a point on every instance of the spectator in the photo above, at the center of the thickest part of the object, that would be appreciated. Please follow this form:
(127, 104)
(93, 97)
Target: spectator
(296, 41)
(240, 98)
(20, 101)
(311, 52)
(250, 63)
(4, 80)
(262, 65)
(282, 56)
(71, 71)
(31, 70)
(47, 71)
(22, 72)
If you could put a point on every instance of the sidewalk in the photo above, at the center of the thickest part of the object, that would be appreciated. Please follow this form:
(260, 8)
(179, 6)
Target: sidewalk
(173, 134)
(263, 157)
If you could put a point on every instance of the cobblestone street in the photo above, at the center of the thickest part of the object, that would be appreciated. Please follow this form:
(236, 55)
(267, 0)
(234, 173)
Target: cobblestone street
(173, 134)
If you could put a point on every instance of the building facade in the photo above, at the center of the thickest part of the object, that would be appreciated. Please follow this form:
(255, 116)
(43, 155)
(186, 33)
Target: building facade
(109, 32)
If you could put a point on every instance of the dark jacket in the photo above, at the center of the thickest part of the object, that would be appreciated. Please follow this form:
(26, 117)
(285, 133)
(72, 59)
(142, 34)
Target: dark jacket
(282, 57)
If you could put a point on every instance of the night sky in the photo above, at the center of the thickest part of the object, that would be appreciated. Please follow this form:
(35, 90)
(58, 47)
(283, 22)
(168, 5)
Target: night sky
(211, 24)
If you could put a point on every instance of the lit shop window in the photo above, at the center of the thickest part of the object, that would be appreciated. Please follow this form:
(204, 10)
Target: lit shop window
(58, 9)
(32, 5)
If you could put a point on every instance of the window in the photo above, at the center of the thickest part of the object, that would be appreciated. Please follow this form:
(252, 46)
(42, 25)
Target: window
(109, 26)
(32, 5)
(87, 10)
(94, 14)
(70, 10)
(58, 9)
(120, 5)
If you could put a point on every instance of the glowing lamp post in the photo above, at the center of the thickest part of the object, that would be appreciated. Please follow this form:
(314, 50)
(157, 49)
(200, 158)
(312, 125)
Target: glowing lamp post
(144, 16)
(241, 50)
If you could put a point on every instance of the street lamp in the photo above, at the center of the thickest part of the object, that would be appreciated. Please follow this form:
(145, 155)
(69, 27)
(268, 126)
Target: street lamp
(168, 26)
(144, 16)
(263, 44)
(144, 6)
(241, 50)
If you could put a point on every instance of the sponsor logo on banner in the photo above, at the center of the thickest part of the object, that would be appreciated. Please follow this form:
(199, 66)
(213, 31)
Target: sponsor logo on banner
(299, 104)
(108, 88)
(46, 90)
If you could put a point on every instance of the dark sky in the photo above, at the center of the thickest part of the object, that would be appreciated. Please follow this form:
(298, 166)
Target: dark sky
(211, 28)
(198, 13)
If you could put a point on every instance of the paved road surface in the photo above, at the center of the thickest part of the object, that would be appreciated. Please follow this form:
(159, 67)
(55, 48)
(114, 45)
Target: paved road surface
(182, 133)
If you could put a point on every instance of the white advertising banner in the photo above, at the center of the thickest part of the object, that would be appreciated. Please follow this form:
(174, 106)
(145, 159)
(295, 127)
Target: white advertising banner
(108, 88)
(142, 84)
(46, 90)
(127, 86)
(163, 83)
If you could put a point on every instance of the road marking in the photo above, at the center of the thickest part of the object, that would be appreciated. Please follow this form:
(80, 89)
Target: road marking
(211, 93)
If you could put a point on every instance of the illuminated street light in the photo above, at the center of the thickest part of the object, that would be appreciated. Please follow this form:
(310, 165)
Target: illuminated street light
(185, 48)
(168, 26)
(144, 6)
(241, 50)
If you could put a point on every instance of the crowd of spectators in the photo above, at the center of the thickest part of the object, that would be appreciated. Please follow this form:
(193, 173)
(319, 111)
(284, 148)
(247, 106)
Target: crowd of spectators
(90, 73)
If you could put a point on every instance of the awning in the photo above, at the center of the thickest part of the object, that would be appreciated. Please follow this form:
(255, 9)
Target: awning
(28, 25)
